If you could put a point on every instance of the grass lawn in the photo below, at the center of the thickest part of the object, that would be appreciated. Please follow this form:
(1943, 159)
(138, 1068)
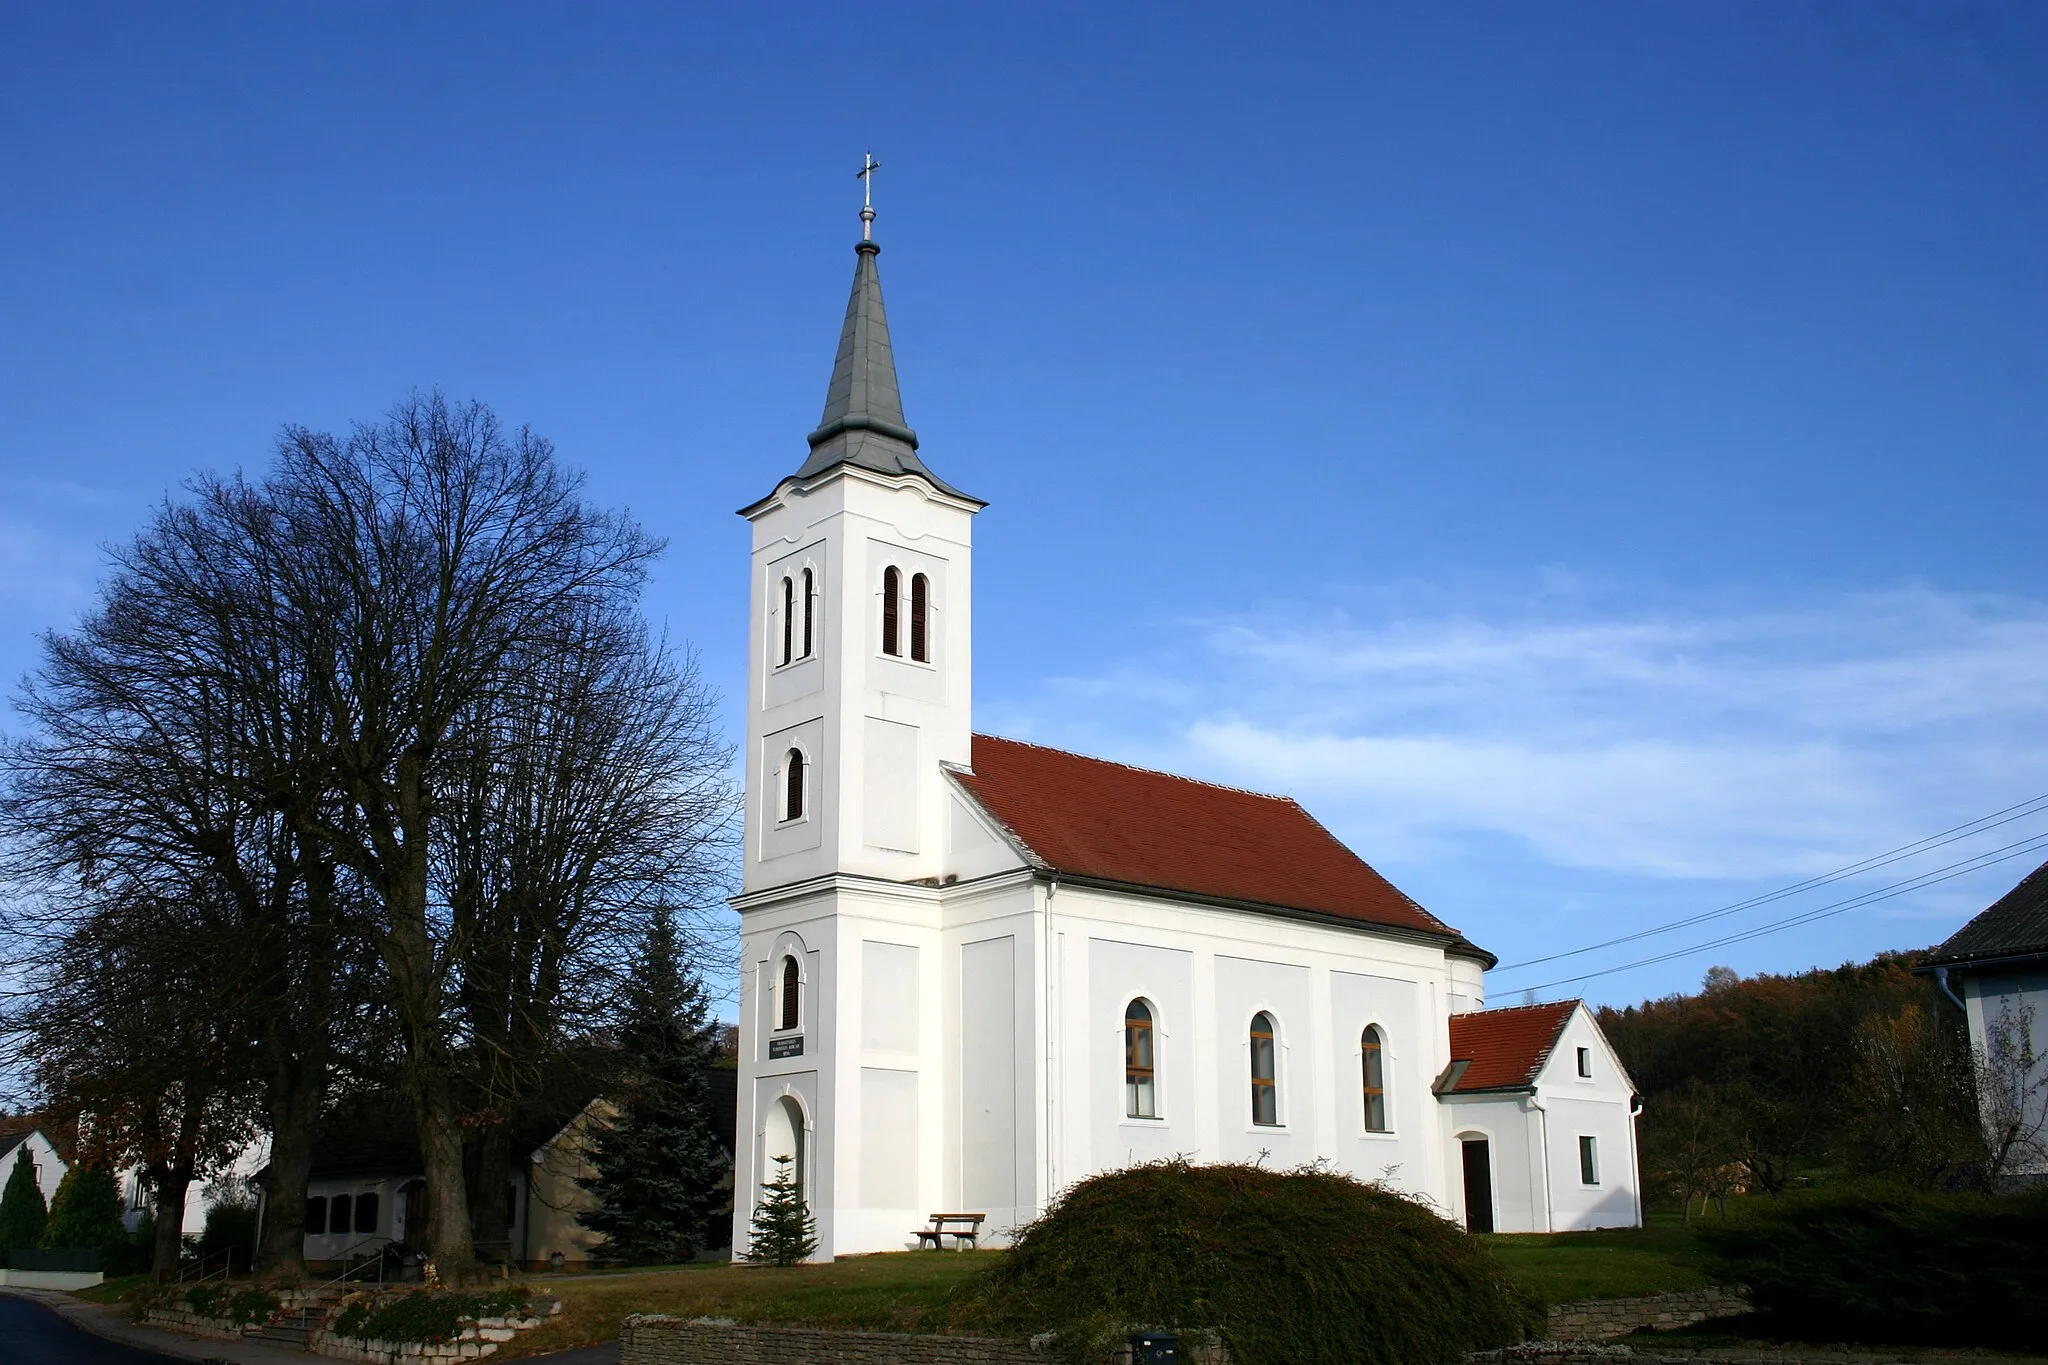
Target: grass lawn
(111, 1290)
(891, 1292)
(1613, 1263)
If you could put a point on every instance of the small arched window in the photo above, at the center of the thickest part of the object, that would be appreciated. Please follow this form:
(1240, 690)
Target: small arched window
(920, 618)
(793, 785)
(788, 616)
(1140, 1099)
(1372, 1051)
(1265, 1090)
(892, 589)
(792, 994)
(810, 606)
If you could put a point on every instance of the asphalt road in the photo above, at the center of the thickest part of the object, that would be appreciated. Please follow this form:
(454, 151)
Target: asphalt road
(31, 1334)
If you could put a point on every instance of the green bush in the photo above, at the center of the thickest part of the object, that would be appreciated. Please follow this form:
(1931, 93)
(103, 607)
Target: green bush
(427, 1315)
(242, 1307)
(1303, 1267)
(86, 1212)
(1894, 1265)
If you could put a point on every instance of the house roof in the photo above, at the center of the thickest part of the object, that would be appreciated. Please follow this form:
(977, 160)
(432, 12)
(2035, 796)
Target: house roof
(1504, 1049)
(1088, 817)
(2015, 925)
(15, 1130)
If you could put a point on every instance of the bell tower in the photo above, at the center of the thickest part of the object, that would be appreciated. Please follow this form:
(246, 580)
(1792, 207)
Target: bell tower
(861, 650)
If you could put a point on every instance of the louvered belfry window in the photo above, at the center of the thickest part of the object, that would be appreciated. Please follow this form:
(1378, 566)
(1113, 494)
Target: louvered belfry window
(793, 780)
(810, 605)
(1265, 1088)
(920, 616)
(892, 589)
(792, 993)
(788, 615)
(1373, 1049)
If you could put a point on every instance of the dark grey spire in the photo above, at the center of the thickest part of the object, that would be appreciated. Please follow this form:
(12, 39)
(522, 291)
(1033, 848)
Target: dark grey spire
(863, 423)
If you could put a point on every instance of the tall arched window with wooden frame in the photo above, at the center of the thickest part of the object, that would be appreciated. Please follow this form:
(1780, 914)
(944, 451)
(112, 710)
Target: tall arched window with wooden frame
(793, 776)
(1141, 1098)
(1372, 1049)
(792, 994)
(788, 616)
(892, 593)
(810, 594)
(1265, 1073)
(920, 618)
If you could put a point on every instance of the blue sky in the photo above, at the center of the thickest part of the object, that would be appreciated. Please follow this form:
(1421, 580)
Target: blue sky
(1591, 454)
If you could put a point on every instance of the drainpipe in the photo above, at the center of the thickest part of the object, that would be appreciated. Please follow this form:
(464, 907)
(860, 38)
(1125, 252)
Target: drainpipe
(1941, 980)
(1543, 1128)
(1635, 1157)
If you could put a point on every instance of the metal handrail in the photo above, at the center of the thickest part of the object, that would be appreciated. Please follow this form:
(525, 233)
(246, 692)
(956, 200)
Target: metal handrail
(197, 1272)
(349, 1272)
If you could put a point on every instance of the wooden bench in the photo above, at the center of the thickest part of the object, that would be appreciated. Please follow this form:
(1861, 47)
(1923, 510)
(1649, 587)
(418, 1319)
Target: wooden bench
(963, 1228)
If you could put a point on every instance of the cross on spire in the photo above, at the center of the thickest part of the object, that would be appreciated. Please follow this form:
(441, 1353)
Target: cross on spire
(866, 174)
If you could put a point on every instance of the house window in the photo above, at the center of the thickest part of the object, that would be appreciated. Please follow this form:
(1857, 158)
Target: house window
(810, 607)
(1265, 1093)
(1586, 1062)
(788, 616)
(793, 785)
(892, 588)
(792, 993)
(920, 616)
(1140, 1099)
(137, 1193)
(316, 1215)
(366, 1212)
(1589, 1161)
(1372, 1048)
(338, 1210)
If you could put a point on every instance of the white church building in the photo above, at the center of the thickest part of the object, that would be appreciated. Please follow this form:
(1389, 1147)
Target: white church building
(976, 970)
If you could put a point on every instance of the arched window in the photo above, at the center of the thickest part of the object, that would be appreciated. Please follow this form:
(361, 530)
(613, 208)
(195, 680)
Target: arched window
(810, 606)
(1140, 1099)
(792, 993)
(1265, 1092)
(920, 617)
(788, 615)
(1372, 1049)
(793, 785)
(892, 588)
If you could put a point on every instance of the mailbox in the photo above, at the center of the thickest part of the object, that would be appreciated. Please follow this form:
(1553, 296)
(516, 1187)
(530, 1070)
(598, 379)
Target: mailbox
(1155, 1348)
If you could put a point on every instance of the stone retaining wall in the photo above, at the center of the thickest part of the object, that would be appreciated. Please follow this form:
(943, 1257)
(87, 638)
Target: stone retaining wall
(1606, 1319)
(653, 1339)
(184, 1320)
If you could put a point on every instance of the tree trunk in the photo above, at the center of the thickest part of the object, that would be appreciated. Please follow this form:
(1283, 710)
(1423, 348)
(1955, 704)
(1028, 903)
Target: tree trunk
(168, 1208)
(296, 1089)
(488, 1200)
(450, 1245)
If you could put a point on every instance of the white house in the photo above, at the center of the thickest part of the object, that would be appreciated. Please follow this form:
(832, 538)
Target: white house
(49, 1166)
(1996, 968)
(976, 970)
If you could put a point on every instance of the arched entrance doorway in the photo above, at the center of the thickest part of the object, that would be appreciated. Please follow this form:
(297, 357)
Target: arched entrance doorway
(1478, 1154)
(783, 1135)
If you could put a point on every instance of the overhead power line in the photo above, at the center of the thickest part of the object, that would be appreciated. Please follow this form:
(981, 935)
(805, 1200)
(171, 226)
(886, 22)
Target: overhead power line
(2032, 844)
(2021, 811)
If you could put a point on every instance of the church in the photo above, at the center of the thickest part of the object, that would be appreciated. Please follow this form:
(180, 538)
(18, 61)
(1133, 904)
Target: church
(975, 971)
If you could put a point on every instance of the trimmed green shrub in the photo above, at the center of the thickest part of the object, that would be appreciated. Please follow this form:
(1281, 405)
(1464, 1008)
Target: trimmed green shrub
(86, 1212)
(1302, 1267)
(22, 1211)
(1894, 1265)
(224, 1303)
(427, 1315)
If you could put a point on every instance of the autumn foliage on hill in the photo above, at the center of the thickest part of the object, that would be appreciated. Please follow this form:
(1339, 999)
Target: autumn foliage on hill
(1758, 1083)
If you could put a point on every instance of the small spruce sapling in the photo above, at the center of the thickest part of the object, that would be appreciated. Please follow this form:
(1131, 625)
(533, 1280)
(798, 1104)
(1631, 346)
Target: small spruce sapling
(22, 1211)
(783, 1230)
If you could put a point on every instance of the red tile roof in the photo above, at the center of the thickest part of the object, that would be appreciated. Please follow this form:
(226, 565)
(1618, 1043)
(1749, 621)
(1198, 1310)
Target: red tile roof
(1088, 817)
(1505, 1048)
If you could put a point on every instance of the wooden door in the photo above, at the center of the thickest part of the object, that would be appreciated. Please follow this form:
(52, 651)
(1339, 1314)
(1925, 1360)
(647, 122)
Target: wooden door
(1478, 1186)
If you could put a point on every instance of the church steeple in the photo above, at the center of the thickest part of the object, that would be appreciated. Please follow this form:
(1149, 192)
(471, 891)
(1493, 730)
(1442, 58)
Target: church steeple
(863, 423)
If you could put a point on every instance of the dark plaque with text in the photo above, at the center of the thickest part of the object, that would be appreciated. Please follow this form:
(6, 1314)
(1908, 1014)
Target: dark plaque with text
(778, 1048)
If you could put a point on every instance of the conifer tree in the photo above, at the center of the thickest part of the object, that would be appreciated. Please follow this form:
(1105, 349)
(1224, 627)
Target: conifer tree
(86, 1211)
(659, 1163)
(783, 1230)
(22, 1212)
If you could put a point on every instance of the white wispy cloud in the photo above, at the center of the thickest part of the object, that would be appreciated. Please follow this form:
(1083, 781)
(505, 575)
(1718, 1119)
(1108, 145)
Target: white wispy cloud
(1672, 743)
